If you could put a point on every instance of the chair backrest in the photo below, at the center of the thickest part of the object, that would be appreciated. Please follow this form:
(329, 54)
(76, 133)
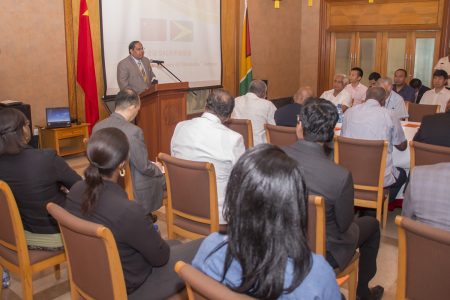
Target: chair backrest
(416, 112)
(316, 224)
(423, 261)
(95, 269)
(426, 154)
(280, 135)
(192, 196)
(200, 286)
(366, 160)
(12, 235)
(243, 127)
(126, 182)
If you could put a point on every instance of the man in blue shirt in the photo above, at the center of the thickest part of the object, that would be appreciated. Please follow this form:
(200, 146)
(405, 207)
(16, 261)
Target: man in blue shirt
(401, 88)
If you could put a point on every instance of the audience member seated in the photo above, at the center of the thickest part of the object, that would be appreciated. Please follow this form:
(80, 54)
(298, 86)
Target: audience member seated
(254, 107)
(264, 252)
(439, 94)
(373, 121)
(206, 139)
(427, 195)
(344, 233)
(444, 64)
(419, 89)
(355, 88)
(435, 129)
(373, 78)
(393, 100)
(287, 115)
(401, 88)
(147, 260)
(338, 95)
(35, 177)
(147, 178)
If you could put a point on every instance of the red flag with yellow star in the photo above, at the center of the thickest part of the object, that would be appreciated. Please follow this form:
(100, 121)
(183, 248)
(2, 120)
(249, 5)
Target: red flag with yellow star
(85, 66)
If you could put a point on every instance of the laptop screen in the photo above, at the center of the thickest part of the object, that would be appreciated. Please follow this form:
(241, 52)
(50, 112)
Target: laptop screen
(58, 115)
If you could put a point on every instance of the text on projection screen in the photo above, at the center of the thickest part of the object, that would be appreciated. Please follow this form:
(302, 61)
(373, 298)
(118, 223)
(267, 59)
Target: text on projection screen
(185, 34)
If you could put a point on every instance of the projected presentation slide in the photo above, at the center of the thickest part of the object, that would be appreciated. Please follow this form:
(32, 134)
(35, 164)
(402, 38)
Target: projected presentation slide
(185, 34)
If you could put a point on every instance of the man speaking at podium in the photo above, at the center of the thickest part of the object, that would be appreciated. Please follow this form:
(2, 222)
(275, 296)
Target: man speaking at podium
(134, 72)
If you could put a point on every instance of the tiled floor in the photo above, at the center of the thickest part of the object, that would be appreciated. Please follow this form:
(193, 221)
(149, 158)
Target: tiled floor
(47, 287)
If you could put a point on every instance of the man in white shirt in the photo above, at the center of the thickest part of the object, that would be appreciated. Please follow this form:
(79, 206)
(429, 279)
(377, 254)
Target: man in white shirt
(393, 100)
(356, 89)
(444, 64)
(254, 107)
(372, 121)
(338, 95)
(439, 94)
(206, 139)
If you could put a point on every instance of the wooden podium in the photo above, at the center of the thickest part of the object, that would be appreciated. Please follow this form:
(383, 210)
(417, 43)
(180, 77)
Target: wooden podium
(162, 107)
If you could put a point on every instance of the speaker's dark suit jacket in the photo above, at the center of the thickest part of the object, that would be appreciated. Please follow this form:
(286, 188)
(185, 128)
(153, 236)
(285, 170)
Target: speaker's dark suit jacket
(325, 178)
(435, 130)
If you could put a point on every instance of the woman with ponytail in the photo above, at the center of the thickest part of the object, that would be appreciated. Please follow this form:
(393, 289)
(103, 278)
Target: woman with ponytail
(147, 260)
(35, 177)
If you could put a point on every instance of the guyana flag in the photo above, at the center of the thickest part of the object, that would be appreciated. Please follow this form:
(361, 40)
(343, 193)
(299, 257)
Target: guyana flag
(245, 72)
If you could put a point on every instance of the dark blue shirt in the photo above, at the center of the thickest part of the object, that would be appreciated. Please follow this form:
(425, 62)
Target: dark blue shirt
(287, 115)
(406, 92)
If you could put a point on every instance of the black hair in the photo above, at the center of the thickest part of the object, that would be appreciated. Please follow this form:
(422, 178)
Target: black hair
(106, 150)
(221, 103)
(374, 76)
(126, 97)
(440, 73)
(266, 211)
(415, 83)
(12, 139)
(319, 117)
(131, 46)
(402, 70)
(359, 70)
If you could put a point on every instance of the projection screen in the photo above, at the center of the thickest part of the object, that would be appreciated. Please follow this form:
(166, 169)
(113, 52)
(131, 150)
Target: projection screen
(185, 34)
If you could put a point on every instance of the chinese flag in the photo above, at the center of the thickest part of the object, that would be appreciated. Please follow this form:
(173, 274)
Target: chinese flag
(85, 67)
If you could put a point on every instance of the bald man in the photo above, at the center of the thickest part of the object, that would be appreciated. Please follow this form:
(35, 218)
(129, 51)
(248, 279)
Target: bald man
(287, 115)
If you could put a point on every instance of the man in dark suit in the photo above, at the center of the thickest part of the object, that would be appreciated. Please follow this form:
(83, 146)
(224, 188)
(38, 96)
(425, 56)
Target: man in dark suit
(146, 175)
(333, 182)
(419, 88)
(287, 115)
(435, 129)
(135, 72)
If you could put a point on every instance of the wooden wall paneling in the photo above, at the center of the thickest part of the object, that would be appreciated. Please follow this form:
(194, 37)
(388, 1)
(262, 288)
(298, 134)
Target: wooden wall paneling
(70, 59)
(445, 34)
(381, 13)
(324, 49)
(230, 46)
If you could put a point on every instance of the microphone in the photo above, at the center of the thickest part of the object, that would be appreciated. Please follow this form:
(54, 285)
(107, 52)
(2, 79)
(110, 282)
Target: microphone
(155, 61)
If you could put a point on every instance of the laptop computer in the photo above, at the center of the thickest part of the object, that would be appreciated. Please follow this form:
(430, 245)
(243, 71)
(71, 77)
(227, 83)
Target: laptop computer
(57, 117)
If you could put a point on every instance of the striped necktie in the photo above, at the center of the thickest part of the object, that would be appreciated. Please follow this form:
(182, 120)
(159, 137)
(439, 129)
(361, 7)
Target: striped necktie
(141, 68)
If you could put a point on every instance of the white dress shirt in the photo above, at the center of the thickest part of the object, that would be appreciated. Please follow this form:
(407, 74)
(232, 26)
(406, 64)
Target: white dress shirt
(343, 98)
(206, 139)
(259, 111)
(433, 98)
(396, 103)
(358, 94)
(370, 121)
(444, 64)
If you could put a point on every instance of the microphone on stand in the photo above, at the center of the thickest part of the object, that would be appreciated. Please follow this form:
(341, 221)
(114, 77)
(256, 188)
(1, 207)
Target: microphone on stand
(155, 61)
(161, 63)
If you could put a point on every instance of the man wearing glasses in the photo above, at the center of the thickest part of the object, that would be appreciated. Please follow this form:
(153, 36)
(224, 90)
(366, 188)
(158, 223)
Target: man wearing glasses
(134, 72)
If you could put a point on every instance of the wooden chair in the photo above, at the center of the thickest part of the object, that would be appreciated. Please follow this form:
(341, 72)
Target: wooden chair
(416, 112)
(243, 127)
(200, 286)
(192, 208)
(423, 261)
(14, 253)
(366, 160)
(426, 154)
(280, 135)
(95, 270)
(126, 182)
(317, 243)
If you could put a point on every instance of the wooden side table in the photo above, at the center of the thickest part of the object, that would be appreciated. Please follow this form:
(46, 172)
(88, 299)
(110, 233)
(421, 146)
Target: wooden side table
(65, 141)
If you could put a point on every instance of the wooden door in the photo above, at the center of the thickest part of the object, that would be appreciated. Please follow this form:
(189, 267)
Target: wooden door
(342, 54)
(368, 53)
